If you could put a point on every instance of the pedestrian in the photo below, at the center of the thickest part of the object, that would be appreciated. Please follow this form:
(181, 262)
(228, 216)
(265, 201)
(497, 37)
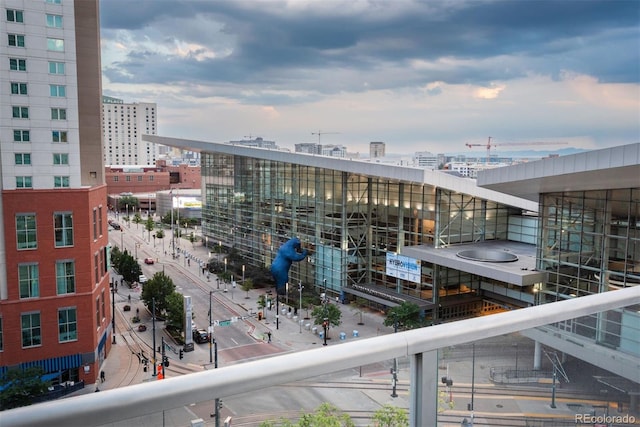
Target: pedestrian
(269, 336)
(102, 377)
(129, 298)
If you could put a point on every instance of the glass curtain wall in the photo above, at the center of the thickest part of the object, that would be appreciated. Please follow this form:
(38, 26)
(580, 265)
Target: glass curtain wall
(590, 243)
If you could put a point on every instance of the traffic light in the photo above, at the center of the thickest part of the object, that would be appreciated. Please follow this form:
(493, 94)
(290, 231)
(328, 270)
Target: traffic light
(181, 354)
(165, 361)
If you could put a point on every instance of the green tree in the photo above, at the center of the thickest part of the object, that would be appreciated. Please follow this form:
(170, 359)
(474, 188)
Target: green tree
(326, 415)
(404, 316)
(128, 266)
(149, 225)
(159, 287)
(247, 285)
(390, 416)
(166, 219)
(137, 219)
(262, 303)
(175, 311)
(133, 202)
(329, 311)
(20, 387)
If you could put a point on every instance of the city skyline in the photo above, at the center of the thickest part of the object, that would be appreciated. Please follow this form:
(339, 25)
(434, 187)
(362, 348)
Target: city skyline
(419, 76)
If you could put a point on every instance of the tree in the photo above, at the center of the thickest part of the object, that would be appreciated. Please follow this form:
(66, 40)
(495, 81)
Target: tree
(247, 285)
(329, 311)
(133, 202)
(126, 265)
(159, 287)
(390, 416)
(137, 219)
(405, 316)
(326, 415)
(175, 311)
(166, 219)
(262, 303)
(20, 387)
(149, 225)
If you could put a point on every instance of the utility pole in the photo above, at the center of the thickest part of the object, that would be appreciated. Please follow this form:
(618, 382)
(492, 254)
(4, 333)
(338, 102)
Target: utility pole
(153, 322)
(113, 311)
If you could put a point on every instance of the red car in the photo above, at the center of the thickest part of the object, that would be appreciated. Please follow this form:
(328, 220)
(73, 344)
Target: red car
(148, 261)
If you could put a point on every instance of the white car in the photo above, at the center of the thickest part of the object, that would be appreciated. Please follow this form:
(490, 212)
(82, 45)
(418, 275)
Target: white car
(142, 279)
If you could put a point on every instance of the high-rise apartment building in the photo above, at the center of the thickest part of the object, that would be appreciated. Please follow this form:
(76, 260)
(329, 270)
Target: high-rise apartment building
(54, 281)
(124, 124)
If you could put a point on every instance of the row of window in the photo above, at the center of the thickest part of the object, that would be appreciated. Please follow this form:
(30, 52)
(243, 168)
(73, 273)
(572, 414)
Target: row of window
(24, 135)
(127, 178)
(20, 64)
(27, 181)
(29, 279)
(26, 230)
(22, 159)
(52, 21)
(19, 40)
(31, 327)
(55, 91)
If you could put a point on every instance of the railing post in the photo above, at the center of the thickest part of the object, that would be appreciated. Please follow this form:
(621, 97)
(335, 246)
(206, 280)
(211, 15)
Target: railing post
(423, 389)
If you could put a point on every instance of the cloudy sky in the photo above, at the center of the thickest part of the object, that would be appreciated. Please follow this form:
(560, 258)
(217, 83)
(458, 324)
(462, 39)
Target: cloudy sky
(417, 75)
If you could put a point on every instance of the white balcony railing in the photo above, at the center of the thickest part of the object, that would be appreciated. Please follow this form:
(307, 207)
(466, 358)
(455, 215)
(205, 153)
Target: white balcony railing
(419, 345)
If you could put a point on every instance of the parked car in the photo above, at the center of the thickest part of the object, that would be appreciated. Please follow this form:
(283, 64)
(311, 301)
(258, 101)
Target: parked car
(115, 225)
(142, 279)
(200, 336)
(149, 261)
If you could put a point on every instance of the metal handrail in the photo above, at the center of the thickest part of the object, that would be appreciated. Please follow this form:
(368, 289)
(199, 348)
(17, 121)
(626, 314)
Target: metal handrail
(142, 399)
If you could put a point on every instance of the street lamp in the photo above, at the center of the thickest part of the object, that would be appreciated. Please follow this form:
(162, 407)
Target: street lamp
(113, 311)
(325, 324)
(217, 283)
(300, 288)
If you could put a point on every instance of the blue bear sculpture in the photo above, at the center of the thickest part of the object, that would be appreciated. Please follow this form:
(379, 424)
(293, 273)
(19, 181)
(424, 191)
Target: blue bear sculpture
(289, 252)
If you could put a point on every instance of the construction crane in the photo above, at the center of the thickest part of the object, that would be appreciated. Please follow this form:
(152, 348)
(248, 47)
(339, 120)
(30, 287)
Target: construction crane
(489, 144)
(320, 133)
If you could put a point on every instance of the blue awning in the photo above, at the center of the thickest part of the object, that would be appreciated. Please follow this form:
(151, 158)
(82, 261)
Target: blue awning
(56, 364)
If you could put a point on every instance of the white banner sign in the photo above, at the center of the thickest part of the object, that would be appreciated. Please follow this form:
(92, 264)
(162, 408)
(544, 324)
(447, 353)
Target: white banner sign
(403, 267)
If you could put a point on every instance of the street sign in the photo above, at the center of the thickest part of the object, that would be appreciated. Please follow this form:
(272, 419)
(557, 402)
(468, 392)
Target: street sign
(224, 322)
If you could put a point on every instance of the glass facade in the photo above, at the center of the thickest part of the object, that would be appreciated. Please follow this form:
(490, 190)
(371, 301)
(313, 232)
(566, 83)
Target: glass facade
(590, 243)
(348, 221)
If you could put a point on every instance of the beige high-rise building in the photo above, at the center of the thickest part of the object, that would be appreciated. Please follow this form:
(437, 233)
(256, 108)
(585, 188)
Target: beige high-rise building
(124, 124)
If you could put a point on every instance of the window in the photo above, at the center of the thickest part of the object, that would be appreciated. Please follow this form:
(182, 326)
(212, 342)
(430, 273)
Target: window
(98, 312)
(95, 224)
(67, 324)
(65, 277)
(16, 64)
(56, 67)
(59, 136)
(58, 114)
(103, 310)
(100, 225)
(139, 178)
(15, 15)
(54, 21)
(63, 229)
(22, 158)
(18, 88)
(116, 178)
(127, 178)
(20, 112)
(56, 45)
(31, 335)
(59, 91)
(60, 158)
(28, 281)
(23, 182)
(53, 1)
(61, 181)
(26, 235)
(150, 177)
(96, 268)
(21, 135)
(16, 40)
